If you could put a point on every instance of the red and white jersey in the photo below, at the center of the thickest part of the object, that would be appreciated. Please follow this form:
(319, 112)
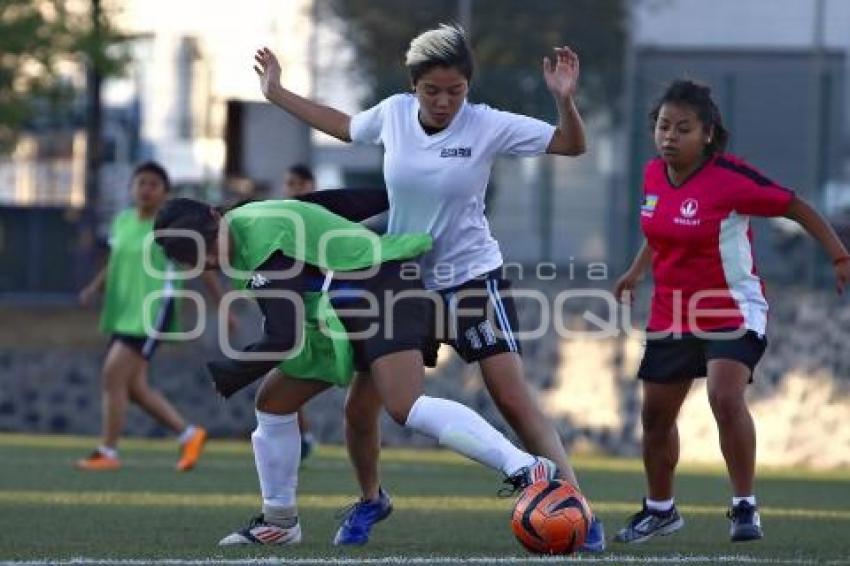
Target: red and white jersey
(699, 232)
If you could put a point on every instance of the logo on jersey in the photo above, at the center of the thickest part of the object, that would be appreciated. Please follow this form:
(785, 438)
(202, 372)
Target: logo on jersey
(456, 152)
(648, 207)
(688, 212)
(258, 280)
(689, 208)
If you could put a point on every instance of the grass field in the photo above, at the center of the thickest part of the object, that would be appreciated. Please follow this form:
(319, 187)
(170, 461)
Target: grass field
(446, 510)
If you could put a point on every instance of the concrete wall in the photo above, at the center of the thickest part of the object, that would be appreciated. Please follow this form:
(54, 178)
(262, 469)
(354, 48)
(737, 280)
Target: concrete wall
(800, 399)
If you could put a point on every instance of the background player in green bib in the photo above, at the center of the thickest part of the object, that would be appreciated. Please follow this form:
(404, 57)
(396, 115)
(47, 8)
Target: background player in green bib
(126, 284)
(310, 270)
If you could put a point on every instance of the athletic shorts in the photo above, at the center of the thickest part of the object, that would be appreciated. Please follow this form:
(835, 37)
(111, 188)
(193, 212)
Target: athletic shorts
(145, 346)
(478, 319)
(678, 358)
(398, 316)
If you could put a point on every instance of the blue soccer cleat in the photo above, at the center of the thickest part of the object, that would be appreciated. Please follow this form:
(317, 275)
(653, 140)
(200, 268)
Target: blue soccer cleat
(359, 519)
(595, 540)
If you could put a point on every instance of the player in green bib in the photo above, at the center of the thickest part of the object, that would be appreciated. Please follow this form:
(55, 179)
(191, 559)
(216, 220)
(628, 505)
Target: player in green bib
(128, 316)
(336, 299)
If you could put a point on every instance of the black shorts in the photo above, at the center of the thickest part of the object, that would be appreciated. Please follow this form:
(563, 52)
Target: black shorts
(678, 358)
(478, 319)
(398, 317)
(145, 346)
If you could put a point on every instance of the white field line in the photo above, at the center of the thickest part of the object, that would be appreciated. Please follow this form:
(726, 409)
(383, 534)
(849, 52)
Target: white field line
(672, 559)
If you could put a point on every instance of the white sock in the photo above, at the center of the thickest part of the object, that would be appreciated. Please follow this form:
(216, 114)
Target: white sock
(660, 505)
(277, 452)
(751, 499)
(464, 431)
(107, 451)
(186, 434)
(285, 517)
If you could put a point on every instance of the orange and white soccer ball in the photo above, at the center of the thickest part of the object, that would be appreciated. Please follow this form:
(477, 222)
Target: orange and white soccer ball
(551, 517)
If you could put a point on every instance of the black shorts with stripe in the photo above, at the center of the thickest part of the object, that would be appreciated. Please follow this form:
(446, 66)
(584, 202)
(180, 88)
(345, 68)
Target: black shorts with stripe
(145, 346)
(478, 319)
(383, 314)
(670, 359)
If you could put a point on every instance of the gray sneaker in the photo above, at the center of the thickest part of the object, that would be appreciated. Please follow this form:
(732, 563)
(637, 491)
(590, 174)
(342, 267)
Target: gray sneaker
(646, 524)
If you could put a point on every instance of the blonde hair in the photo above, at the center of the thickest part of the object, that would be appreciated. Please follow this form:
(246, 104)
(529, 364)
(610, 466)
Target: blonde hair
(445, 46)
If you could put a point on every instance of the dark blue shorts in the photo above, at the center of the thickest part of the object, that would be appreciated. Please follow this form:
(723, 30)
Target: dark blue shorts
(479, 320)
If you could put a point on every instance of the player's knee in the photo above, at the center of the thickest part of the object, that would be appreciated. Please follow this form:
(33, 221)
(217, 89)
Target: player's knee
(264, 402)
(111, 382)
(360, 416)
(134, 395)
(267, 402)
(398, 412)
(265, 406)
(727, 406)
(656, 424)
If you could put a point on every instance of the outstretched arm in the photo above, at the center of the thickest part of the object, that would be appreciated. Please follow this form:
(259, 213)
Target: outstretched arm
(324, 118)
(562, 80)
(815, 224)
(97, 284)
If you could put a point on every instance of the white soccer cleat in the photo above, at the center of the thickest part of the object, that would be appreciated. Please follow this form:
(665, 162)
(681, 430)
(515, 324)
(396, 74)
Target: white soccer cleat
(542, 469)
(259, 531)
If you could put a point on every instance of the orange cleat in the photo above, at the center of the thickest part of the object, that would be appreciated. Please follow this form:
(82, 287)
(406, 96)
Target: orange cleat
(191, 450)
(98, 462)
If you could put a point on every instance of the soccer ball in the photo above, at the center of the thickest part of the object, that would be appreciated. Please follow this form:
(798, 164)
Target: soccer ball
(551, 517)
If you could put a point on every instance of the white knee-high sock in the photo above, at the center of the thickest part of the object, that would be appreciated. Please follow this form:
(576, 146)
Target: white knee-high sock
(277, 453)
(463, 430)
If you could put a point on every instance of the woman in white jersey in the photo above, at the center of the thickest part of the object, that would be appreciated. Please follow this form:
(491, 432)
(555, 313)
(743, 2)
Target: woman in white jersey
(439, 152)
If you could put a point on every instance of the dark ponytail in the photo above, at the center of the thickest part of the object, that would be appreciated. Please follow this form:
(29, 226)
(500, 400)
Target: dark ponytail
(698, 97)
(190, 215)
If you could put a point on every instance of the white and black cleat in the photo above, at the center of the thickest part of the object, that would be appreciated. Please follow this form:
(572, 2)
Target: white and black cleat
(260, 532)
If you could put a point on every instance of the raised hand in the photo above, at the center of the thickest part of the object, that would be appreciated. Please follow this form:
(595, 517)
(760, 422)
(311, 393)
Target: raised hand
(624, 288)
(87, 295)
(562, 75)
(268, 69)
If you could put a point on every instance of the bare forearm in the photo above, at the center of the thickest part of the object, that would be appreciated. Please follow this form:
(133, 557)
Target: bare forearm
(817, 226)
(569, 138)
(642, 260)
(323, 118)
(99, 281)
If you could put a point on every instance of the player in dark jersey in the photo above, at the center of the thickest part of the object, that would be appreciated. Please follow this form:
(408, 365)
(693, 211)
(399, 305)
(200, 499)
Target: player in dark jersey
(709, 312)
(352, 285)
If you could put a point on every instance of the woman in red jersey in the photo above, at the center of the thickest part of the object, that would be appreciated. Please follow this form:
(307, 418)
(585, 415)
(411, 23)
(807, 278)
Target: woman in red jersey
(709, 313)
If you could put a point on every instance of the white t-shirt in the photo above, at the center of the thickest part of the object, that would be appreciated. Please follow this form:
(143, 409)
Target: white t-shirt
(436, 183)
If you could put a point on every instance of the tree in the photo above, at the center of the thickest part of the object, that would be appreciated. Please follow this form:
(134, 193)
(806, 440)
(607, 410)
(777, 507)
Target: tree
(509, 38)
(38, 41)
